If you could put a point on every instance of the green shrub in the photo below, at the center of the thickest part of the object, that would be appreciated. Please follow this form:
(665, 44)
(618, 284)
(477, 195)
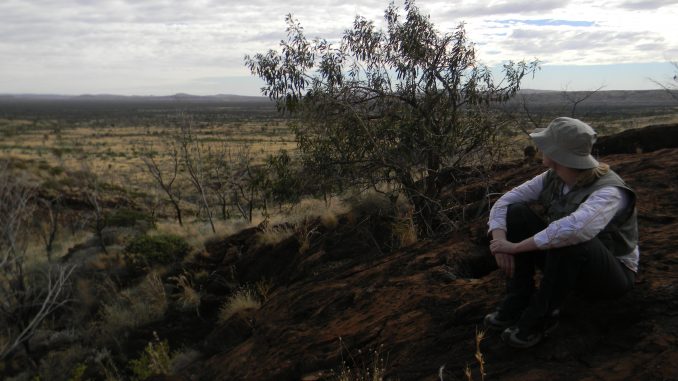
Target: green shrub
(154, 360)
(55, 171)
(128, 218)
(78, 372)
(147, 250)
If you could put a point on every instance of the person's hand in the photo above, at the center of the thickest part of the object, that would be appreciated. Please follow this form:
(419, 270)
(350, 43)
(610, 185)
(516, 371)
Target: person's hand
(502, 246)
(503, 251)
(506, 263)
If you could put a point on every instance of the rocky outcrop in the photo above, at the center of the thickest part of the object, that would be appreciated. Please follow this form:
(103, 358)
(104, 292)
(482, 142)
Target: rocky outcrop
(418, 308)
(647, 139)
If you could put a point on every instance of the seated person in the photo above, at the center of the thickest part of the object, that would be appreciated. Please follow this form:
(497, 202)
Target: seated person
(585, 240)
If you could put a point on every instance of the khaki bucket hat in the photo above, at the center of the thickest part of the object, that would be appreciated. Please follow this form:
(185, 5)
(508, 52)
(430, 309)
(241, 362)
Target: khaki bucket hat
(568, 142)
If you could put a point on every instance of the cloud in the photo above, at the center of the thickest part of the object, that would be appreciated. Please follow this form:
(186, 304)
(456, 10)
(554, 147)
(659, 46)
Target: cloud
(585, 46)
(132, 44)
(506, 7)
(645, 5)
(547, 22)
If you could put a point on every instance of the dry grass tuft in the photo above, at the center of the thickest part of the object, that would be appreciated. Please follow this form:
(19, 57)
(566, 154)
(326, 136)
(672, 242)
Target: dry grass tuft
(371, 204)
(305, 234)
(274, 235)
(187, 297)
(196, 233)
(368, 366)
(480, 359)
(310, 208)
(329, 220)
(404, 230)
(136, 306)
(264, 287)
(243, 299)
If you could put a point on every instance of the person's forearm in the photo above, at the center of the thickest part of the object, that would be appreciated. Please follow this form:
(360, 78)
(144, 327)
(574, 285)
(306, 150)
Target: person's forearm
(500, 244)
(498, 234)
(525, 246)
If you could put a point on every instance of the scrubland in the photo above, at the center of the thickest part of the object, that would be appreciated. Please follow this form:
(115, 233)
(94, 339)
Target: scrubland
(95, 255)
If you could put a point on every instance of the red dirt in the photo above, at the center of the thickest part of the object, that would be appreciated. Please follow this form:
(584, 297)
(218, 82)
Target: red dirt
(420, 307)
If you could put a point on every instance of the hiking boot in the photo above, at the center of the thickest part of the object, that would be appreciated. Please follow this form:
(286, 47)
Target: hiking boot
(527, 338)
(496, 321)
(517, 339)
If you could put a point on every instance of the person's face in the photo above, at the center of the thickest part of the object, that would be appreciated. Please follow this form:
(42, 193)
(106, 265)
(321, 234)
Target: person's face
(548, 162)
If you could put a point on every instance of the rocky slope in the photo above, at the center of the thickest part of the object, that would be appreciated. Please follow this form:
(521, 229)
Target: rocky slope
(341, 300)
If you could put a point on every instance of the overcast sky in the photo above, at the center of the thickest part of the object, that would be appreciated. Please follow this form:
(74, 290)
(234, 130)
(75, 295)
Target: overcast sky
(159, 47)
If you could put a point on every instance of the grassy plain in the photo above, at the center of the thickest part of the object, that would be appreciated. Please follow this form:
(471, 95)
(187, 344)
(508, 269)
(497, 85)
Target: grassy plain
(110, 145)
(108, 134)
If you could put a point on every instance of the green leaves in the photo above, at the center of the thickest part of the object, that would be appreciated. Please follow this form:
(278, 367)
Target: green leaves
(390, 106)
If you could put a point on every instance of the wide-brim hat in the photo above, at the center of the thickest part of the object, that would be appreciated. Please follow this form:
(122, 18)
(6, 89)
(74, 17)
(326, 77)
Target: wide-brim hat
(568, 142)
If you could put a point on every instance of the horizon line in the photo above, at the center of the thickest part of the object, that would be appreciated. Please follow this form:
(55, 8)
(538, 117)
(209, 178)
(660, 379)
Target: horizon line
(183, 94)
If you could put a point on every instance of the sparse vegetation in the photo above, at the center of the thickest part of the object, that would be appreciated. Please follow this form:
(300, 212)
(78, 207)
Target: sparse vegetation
(275, 234)
(148, 250)
(29, 293)
(241, 300)
(134, 307)
(129, 218)
(155, 360)
(68, 310)
(369, 365)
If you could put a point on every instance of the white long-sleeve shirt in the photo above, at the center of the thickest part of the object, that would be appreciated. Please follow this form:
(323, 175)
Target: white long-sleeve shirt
(582, 225)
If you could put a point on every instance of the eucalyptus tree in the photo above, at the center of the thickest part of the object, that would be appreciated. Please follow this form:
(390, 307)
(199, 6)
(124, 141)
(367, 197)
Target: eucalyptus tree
(393, 105)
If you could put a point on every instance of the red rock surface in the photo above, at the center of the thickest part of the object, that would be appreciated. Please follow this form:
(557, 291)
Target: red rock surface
(420, 306)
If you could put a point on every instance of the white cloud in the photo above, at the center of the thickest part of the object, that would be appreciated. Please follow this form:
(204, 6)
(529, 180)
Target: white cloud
(130, 45)
(492, 8)
(650, 5)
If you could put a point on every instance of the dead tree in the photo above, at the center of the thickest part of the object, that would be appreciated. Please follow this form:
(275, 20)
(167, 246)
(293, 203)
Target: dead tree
(577, 97)
(242, 184)
(27, 296)
(671, 87)
(192, 155)
(219, 169)
(24, 309)
(15, 207)
(93, 197)
(48, 230)
(166, 179)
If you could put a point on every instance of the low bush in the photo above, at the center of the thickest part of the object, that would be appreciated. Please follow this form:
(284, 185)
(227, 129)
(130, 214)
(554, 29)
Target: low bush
(55, 171)
(128, 218)
(155, 360)
(148, 250)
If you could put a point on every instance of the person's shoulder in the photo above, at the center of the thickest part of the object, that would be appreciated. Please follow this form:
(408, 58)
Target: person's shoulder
(547, 176)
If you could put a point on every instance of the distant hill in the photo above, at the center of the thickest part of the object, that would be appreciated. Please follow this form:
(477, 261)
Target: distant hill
(536, 97)
(610, 97)
(181, 97)
(120, 107)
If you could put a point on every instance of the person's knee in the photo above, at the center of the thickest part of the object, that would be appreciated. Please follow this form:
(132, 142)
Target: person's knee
(522, 222)
(517, 212)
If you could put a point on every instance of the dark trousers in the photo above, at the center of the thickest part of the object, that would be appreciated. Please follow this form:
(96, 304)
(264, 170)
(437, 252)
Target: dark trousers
(589, 269)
